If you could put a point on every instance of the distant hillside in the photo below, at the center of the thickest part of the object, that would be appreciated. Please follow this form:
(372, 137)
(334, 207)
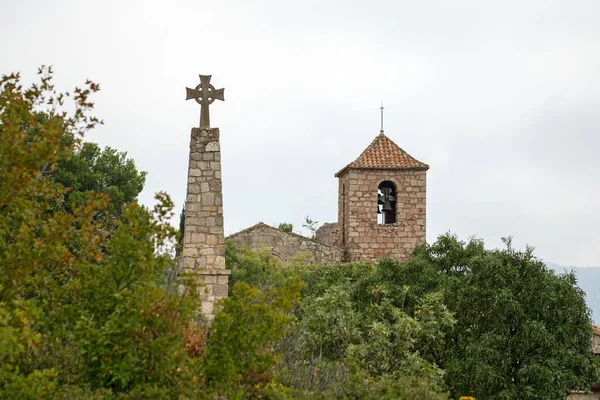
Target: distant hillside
(588, 279)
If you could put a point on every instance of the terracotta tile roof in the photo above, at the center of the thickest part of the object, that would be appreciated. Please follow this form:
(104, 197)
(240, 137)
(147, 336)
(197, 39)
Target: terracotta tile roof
(596, 329)
(383, 153)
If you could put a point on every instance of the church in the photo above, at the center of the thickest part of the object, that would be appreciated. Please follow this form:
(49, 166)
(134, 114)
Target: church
(381, 210)
(381, 213)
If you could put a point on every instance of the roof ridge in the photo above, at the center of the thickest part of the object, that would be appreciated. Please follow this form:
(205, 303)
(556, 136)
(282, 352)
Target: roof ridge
(260, 224)
(250, 228)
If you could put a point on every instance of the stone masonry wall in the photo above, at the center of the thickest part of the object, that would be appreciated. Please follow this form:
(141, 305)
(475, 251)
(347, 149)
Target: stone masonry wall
(327, 234)
(204, 243)
(596, 340)
(287, 246)
(583, 396)
(360, 234)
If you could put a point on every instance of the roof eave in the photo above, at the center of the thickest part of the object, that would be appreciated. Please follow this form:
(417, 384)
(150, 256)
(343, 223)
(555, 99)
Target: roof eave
(341, 171)
(425, 167)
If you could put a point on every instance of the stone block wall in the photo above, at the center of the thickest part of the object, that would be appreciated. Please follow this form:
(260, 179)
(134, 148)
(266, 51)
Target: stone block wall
(360, 234)
(583, 396)
(328, 234)
(596, 339)
(204, 242)
(287, 246)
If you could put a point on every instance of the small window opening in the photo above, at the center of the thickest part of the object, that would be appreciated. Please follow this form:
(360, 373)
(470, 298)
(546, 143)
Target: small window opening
(386, 203)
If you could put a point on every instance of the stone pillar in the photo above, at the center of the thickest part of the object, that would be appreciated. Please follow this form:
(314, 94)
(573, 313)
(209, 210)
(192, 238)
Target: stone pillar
(204, 241)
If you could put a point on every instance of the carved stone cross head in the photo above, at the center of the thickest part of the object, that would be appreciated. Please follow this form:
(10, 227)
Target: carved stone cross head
(205, 94)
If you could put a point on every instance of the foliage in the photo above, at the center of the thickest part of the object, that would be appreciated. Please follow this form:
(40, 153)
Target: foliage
(32, 245)
(85, 313)
(517, 322)
(346, 317)
(311, 225)
(239, 351)
(522, 331)
(179, 247)
(17, 336)
(493, 324)
(354, 383)
(90, 169)
(346, 338)
(286, 227)
(255, 267)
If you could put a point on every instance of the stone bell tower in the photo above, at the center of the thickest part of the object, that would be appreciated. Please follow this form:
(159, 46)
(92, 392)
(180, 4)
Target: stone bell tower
(381, 203)
(204, 242)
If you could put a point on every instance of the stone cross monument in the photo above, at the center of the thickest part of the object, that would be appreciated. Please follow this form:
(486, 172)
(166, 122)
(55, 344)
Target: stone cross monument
(204, 241)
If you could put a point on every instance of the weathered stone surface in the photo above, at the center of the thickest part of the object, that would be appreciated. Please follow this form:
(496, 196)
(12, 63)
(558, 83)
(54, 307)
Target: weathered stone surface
(207, 307)
(327, 234)
(287, 246)
(208, 199)
(203, 248)
(358, 230)
(221, 290)
(581, 395)
(213, 146)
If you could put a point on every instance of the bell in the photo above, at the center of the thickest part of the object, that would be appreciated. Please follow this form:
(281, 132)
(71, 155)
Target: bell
(387, 206)
(387, 194)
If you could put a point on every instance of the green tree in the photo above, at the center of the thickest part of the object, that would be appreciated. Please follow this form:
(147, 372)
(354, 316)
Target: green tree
(349, 316)
(83, 168)
(240, 355)
(494, 324)
(350, 339)
(31, 243)
(180, 232)
(90, 169)
(522, 331)
(311, 225)
(286, 227)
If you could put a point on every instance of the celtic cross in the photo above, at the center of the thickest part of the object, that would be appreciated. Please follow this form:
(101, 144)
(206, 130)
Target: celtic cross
(204, 94)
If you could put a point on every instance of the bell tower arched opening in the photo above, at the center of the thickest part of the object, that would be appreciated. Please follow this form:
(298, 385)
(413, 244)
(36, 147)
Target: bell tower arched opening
(386, 203)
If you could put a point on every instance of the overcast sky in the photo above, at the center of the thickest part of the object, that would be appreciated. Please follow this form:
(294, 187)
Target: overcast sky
(500, 98)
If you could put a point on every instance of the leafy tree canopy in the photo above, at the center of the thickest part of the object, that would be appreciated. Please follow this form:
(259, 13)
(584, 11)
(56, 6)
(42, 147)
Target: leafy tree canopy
(90, 169)
(349, 341)
(493, 324)
(522, 330)
(286, 227)
(82, 168)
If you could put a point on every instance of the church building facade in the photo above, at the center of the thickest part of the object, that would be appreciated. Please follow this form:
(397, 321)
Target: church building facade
(381, 213)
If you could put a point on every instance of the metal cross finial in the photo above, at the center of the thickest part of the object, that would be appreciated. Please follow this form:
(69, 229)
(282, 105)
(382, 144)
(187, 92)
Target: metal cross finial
(204, 94)
(381, 108)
